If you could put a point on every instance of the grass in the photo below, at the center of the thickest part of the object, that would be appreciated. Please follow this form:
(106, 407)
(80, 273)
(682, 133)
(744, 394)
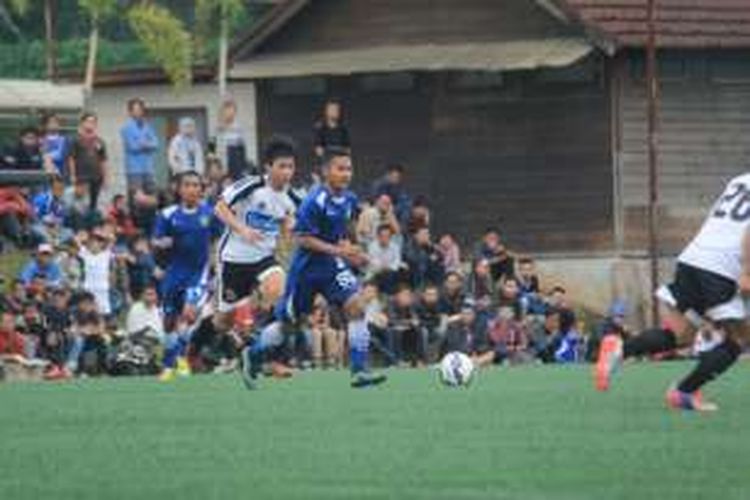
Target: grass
(523, 433)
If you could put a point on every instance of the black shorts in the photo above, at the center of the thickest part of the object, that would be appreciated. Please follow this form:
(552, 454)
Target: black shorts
(695, 289)
(240, 280)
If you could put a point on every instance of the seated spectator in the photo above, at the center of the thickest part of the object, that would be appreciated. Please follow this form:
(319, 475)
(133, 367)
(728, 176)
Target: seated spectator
(568, 346)
(58, 321)
(15, 213)
(11, 341)
(326, 341)
(452, 298)
(185, 150)
(420, 215)
(544, 333)
(26, 154)
(392, 184)
(33, 331)
(377, 322)
(97, 269)
(509, 339)
(406, 335)
(481, 290)
(432, 319)
(145, 317)
(54, 145)
(71, 265)
(466, 334)
(422, 260)
(450, 253)
(613, 324)
(43, 266)
(375, 216)
(119, 215)
(557, 297)
(88, 350)
(15, 302)
(528, 283)
(384, 260)
(492, 249)
(510, 297)
(49, 214)
(141, 266)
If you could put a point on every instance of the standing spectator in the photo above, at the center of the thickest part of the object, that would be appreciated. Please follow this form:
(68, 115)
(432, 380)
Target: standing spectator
(450, 253)
(97, 270)
(392, 184)
(49, 214)
(185, 150)
(215, 176)
(384, 260)
(405, 330)
(422, 259)
(229, 143)
(140, 144)
(330, 132)
(144, 316)
(492, 249)
(26, 154)
(54, 145)
(43, 267)
(77, 203)
(431, 318)
(87, 159)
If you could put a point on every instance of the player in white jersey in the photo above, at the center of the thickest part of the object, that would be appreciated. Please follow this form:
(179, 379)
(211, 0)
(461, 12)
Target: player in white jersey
(711, 278)
(257, 211)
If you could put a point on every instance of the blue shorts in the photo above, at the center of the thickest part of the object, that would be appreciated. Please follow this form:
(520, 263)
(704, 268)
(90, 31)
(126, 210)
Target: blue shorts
(332, 278)
(177, 291)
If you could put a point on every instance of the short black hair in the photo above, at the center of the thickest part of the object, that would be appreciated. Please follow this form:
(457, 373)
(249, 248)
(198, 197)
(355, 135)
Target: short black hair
(558, 288)
(184, 175)
(28, 130)
(334, 152)
(394, 167)
(47, 117)
(86, 115)
(384, 227)
(136, 101)
(525, 260)
(279, 146)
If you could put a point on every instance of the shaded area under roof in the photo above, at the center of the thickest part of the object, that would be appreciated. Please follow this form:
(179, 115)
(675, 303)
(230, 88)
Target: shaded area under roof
(495, 56)
(39, 94)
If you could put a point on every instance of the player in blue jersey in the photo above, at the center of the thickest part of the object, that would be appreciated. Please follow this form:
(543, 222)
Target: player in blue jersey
(322, 264)
(185, 231)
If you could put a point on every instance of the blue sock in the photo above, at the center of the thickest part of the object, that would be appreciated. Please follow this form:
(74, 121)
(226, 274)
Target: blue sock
(359, 340)
(175, 347)
(357, 360)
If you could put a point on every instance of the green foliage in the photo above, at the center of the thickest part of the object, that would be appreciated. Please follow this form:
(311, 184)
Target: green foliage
(165, 38)
(20, 7)
(98, 10)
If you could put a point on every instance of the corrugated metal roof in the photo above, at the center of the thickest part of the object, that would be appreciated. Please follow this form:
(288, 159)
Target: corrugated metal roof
(679, 23)
(39, 94)
(474, 56)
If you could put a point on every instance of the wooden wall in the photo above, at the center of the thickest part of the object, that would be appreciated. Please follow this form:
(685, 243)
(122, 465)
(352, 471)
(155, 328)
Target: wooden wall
(704, 139)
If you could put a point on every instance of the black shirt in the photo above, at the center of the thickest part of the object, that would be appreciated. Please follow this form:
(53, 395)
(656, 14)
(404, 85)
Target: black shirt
(22, 158)
(327, 136)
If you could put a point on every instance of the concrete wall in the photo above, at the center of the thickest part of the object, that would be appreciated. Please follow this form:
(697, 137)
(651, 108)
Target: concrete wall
(109, 103)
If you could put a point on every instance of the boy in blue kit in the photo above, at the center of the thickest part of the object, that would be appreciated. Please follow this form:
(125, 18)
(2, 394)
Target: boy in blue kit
(322, 264)
(186, 231)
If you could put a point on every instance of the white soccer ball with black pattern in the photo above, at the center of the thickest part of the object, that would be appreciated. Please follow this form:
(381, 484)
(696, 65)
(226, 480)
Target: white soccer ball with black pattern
(456, 369)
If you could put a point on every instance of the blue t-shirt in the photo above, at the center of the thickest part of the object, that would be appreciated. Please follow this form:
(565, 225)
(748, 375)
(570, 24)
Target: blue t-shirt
(56, 146)
(191, 231)
(327, 216)
(47, 207)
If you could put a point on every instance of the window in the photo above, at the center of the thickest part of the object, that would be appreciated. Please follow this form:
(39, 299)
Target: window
(299, 86)
(475, 80)
(730, 68)
(387, 82)
(585, 71)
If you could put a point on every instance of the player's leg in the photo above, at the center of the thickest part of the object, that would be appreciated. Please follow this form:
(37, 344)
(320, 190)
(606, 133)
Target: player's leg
(729, 318)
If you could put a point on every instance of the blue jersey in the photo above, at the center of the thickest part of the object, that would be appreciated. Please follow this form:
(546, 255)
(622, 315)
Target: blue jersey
(326, 216)
(191, 231)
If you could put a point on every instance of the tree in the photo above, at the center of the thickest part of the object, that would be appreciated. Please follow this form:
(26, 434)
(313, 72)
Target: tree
(10, 7)
(22, 8)
(97, 11)
(225, 11)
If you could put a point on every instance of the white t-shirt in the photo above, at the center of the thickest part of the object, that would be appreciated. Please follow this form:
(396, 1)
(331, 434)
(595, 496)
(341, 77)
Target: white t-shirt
(262, 208)
(141, 317)
(718, 245)
(96, 276)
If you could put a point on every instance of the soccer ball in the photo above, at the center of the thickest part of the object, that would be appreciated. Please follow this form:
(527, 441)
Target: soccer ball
(456, 369)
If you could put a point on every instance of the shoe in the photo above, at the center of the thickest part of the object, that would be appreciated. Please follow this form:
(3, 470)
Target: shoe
(366, 379)
(183, 367)
(608, 362)
(249, 368)
(167, 375)
(280, 370)
(678, 400)
(54, 373)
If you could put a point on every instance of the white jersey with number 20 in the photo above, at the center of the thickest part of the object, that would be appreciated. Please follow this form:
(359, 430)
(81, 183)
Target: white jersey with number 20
(718, 245)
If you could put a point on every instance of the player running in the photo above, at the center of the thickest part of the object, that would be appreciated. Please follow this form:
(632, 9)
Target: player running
(712, 275)
(257, 211)
(322, 264)
(185, 230)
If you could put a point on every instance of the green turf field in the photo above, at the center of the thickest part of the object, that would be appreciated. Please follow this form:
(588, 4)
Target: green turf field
(521, 433)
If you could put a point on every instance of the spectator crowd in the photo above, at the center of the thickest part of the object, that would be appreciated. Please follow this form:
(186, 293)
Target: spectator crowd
(87, 300)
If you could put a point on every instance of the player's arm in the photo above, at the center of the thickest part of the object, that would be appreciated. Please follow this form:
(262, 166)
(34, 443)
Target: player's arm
(162, 239)
(226, 215)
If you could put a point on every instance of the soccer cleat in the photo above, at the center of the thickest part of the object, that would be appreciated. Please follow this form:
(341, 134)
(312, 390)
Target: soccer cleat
(249, 368)
(183, 367)
(280, 370)
(167, 375)
(366, 379)
(678, 400)
(609, 361)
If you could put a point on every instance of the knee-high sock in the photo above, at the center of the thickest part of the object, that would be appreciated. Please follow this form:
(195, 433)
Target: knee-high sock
(175, 347)
(359, 345)
(711, 364)
(650, 342)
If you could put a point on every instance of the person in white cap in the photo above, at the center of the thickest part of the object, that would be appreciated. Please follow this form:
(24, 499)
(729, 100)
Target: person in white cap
(42, 266)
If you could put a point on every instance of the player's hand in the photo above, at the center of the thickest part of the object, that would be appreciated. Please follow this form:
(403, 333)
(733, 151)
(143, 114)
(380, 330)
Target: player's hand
(744, 284)
(352, 254)
(249, 234)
